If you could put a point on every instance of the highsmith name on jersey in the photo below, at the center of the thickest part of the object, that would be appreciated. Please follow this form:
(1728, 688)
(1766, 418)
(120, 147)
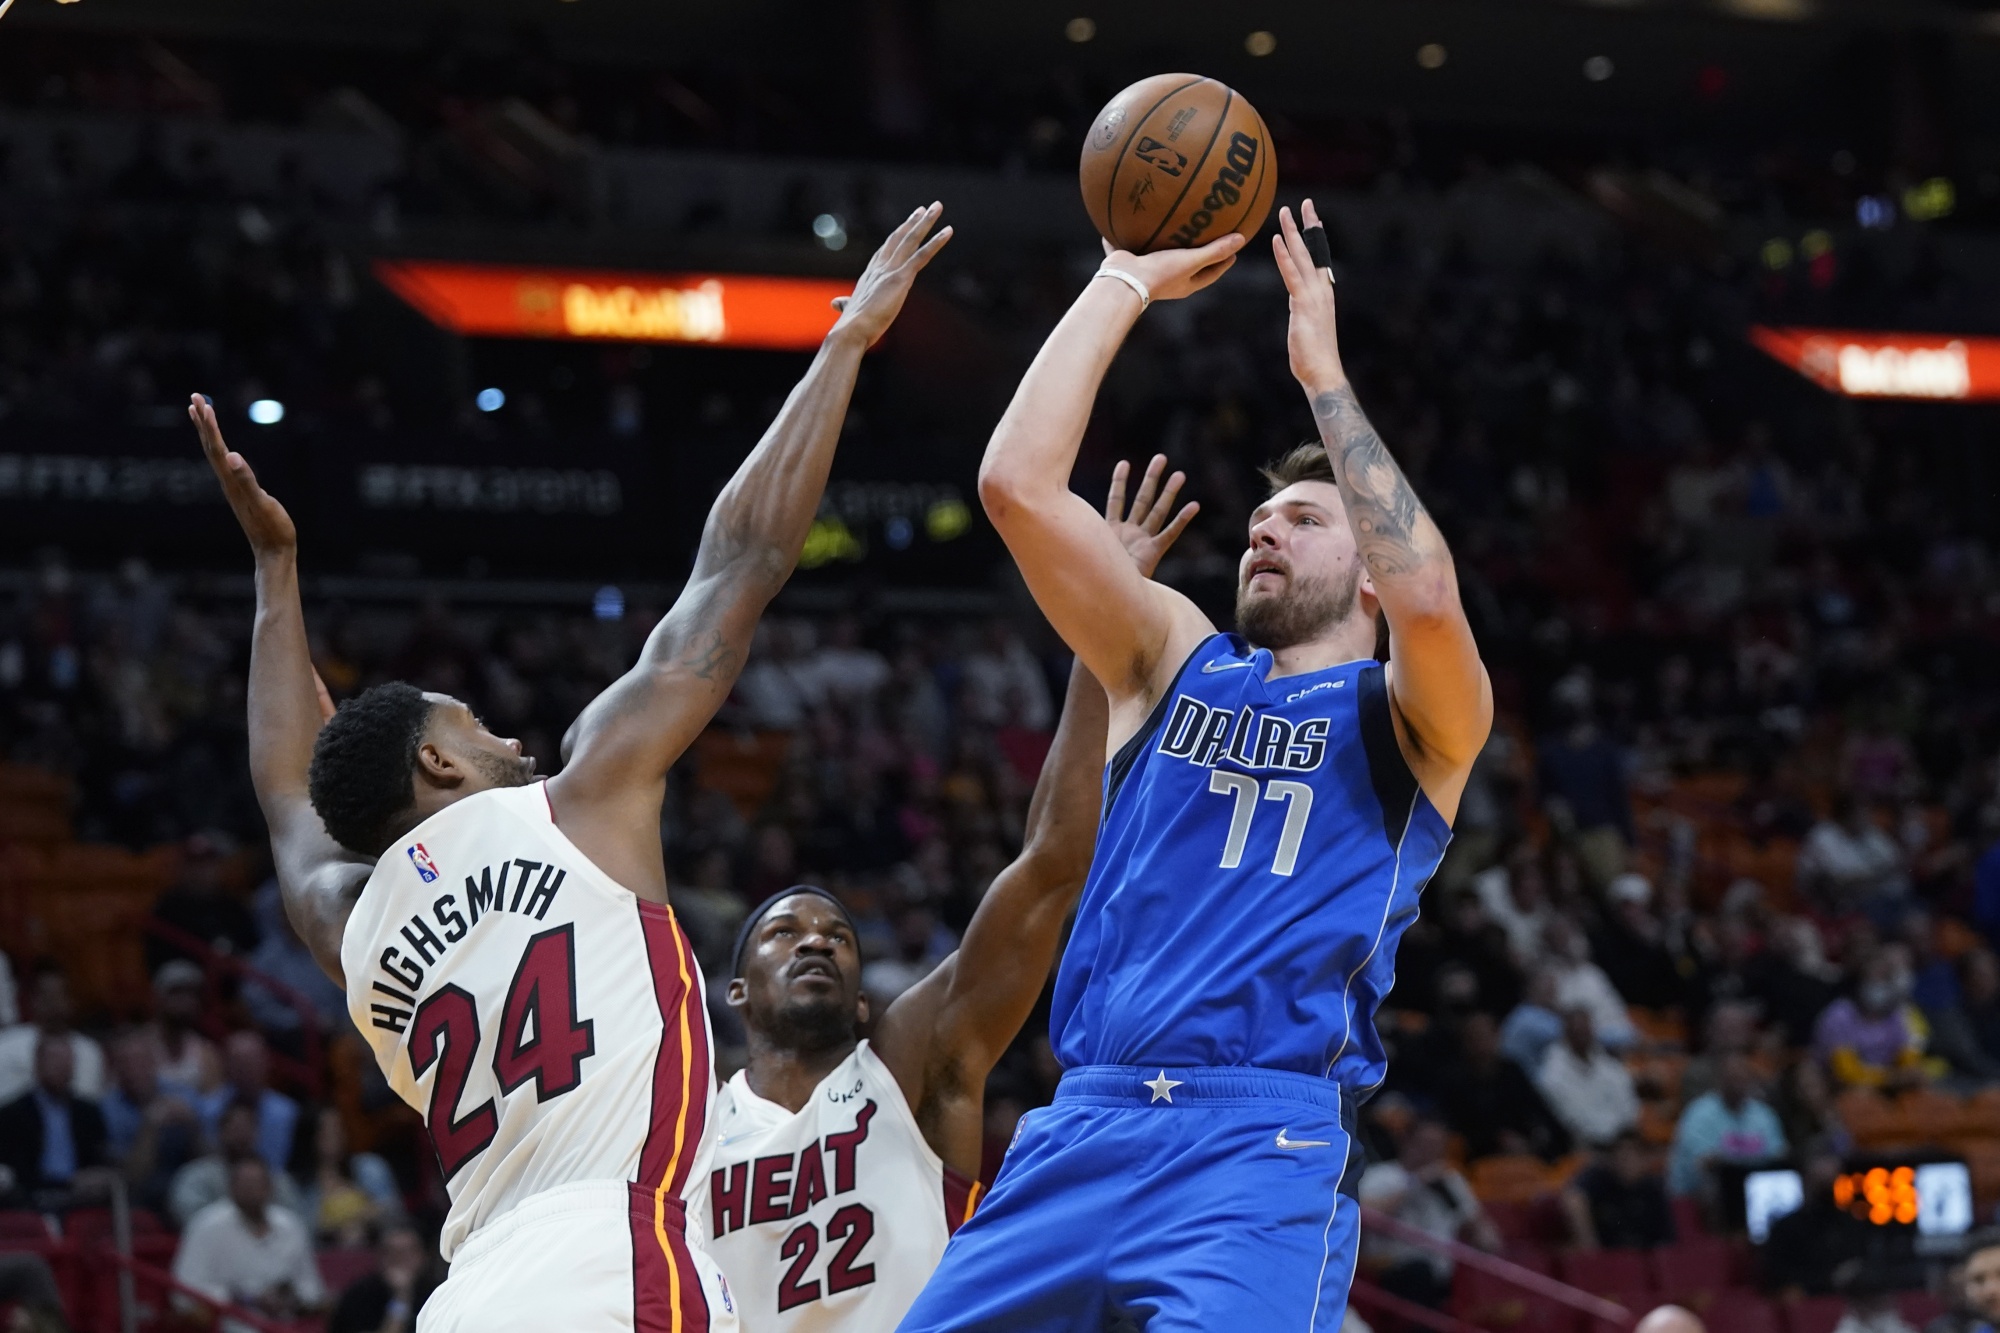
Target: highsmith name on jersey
(547, 1022)
(832, 1218)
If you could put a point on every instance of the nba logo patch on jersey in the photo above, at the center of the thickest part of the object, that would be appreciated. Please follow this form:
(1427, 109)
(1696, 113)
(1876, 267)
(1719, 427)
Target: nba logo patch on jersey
(427, 870)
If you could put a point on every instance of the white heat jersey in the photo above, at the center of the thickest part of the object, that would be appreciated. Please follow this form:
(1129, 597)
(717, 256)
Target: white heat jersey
(830, 1218)
(549, 1024)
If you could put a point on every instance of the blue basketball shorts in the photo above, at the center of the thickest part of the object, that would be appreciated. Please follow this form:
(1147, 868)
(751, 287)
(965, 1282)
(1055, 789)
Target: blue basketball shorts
(1169, 1200)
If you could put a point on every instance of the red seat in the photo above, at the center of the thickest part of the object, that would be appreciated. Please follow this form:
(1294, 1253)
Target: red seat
(1814, 1314)
(1741, 1311)
(1607, 1273)
(1534, 1258)
(1692, 1271)
(20, 1224)
(340, 1268)
(1501, 1307)
(1918, 1307)
(1687, 1218)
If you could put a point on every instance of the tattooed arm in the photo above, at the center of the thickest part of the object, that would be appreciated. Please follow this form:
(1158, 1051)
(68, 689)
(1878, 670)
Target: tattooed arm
(1439, 693)
(607, 797)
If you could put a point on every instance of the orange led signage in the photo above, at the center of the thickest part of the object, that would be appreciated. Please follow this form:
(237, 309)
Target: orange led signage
(722, 309)
(1887, 365)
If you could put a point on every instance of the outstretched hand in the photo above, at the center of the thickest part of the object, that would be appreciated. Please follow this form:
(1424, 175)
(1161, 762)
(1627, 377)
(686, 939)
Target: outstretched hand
(1313, 337)
(1145, 530)
(879, 292)
(263, 519)
(1172, 274)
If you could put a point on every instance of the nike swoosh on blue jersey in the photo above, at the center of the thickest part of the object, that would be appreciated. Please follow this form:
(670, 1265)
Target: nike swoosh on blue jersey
(1290, 1143)
(1211, 668)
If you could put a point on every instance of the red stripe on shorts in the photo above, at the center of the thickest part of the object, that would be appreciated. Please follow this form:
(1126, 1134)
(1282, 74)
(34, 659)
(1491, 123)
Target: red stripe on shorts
(666, 1288)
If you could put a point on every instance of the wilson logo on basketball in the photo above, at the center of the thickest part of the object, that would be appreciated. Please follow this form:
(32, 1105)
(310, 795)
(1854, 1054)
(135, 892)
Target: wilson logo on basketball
(1227, 189)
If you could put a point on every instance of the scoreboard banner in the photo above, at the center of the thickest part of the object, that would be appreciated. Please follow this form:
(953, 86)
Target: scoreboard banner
(1887, 365)
(719, 309)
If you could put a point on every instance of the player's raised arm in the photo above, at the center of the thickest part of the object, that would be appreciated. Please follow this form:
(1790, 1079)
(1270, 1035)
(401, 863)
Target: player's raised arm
(1119, 623)
(317, 876)
(619, 750)
(944, 1035)
(1438, 687)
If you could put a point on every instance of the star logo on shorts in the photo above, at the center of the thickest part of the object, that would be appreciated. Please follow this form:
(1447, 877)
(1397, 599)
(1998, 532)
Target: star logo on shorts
(1163, 1087)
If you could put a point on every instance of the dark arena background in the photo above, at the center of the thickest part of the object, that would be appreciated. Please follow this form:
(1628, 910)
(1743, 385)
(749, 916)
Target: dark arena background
(1683, 317)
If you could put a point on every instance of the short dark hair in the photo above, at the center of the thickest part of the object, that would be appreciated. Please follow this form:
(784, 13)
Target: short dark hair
(1306, 462)
(364, 763)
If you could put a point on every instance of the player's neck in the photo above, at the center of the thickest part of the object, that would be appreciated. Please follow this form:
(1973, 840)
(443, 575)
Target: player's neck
(788, 1076)
(1349, 641)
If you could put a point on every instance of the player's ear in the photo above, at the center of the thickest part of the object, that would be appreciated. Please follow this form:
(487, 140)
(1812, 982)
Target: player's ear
(436, 767)
(861, 1009)
(737, 994)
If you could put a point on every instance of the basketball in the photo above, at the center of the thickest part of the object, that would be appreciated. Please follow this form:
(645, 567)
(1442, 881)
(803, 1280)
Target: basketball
(1177, 160)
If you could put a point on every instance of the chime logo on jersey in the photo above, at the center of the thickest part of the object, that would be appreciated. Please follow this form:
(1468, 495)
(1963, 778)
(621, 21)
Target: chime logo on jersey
(427, 870)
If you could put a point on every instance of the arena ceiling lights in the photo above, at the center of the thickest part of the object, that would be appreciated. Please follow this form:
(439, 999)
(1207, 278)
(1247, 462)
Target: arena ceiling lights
(718, 309)
(1887, 365)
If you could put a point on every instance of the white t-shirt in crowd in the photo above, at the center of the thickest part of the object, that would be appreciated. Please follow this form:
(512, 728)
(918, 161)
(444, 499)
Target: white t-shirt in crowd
(1594, 1098)
(17, 1063)
(221, 1257)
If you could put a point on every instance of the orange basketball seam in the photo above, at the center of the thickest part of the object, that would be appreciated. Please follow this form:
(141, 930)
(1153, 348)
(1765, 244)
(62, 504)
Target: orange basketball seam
(1118, 159)
(1221, 119)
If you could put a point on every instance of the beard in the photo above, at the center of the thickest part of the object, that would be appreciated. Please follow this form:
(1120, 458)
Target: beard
(1299, 614)
(503, 772)
(810, 1025)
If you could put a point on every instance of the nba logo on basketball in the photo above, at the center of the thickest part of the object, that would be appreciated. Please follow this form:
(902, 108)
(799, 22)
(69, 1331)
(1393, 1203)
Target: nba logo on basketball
(427, 869)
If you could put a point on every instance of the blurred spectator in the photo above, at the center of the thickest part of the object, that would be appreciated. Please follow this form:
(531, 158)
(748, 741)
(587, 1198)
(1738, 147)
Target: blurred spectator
(845, 672)
(1877, 1039)
(1847, 863)
(1806, 1105)
(1730, 1029)
(246, 1064)
(50, 1016)
(1581, 983)
(1979, 992)
(1004, 685)
(921, 943)
(206, 1179)
(388, 1299)
(1818, 1247)
(1630, 945)
(29, 1294)
(1586, 1086)
(10, 996)
(52, 1142)
(188, 1061)
(1491, 1102)
(1582, 774)
(345, 1194)
(1515, 895)
(1971, 1288)
(281, 956)
(151, 1131)
(1872, 1310)
(1619, 1201)
(1798, 982)
(1728, 1124)
(251, 1251)
(199, 905)
(1533, 1025)
(1419, 1188)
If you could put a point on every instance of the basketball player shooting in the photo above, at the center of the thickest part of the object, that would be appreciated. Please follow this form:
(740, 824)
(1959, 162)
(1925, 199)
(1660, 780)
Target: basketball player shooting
(843, 1165)
(506, 944)
(1275, 801)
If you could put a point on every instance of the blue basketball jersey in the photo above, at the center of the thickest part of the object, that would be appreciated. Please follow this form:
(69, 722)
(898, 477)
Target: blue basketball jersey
(1263, 847)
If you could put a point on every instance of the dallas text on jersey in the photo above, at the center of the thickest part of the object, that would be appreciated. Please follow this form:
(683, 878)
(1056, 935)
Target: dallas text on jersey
(1203, 734)
(484, 896)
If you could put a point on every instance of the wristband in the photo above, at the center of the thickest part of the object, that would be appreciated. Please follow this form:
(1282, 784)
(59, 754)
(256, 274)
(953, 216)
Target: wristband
(1130, 280)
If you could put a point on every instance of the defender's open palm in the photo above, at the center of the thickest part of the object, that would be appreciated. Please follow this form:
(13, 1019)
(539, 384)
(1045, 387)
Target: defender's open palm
(1172, 274)
(1145, 531)
(264, 520)
(1313, 337)
(880, 291)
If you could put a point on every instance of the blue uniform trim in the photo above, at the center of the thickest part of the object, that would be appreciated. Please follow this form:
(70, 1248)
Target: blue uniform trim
(1395, 785)
(1122, 1085)
(1128, 753)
